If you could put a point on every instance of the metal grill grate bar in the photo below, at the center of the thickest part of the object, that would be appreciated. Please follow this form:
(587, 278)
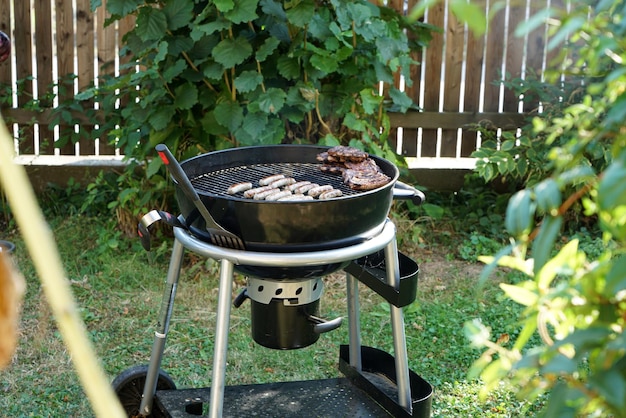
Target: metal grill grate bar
(217, 182)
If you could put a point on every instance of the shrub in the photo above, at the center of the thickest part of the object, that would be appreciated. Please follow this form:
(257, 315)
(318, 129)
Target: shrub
(575, 301)
(220, 74)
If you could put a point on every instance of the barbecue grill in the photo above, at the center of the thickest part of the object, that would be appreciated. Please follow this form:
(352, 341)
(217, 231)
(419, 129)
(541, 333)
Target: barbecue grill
(285, 279)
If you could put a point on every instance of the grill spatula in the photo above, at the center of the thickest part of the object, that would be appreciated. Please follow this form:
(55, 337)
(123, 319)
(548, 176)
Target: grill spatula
(219, 236)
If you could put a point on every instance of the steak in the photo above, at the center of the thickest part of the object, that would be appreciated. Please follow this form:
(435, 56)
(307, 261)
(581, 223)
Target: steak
(365, 179)
(342, 153)
(359, 172)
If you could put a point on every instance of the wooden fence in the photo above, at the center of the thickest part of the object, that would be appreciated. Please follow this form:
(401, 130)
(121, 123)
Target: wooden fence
(457, 85)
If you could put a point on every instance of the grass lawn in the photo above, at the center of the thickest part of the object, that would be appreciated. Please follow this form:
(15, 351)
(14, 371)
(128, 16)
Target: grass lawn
(119, 286)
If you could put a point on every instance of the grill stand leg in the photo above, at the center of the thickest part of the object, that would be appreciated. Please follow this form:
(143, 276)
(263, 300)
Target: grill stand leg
(397, 325)
(160, 335)
(216, 401)
(354, 326)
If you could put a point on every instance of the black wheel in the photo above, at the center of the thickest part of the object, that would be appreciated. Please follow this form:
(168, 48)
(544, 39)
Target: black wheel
(129, 389)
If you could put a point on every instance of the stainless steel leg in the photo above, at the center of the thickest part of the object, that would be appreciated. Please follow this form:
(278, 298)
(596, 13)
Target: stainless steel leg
(354, 323)
(160, 335)
(221, 339)
(397, 325)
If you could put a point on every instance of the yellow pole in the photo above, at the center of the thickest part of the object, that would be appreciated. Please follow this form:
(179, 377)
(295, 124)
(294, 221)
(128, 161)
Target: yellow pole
(45, 256)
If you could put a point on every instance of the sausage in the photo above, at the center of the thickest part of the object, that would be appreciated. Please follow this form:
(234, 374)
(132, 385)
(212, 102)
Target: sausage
(294, 186)
(265, 181)
(262, 195)
(239, 187)
(305, 188)
(330, 194)
(295, 198)
(250, 193)
(282, 182)
(316, 191)
(277, 195)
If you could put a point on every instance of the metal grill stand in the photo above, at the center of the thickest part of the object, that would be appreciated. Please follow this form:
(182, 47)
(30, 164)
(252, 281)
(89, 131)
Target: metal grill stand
(372, 375)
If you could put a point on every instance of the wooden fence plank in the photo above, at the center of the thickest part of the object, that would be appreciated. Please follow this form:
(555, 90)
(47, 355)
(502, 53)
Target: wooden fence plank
(411, 119)
(24, 68)
(412, 90)
(535, 53)
(493, 61)
(106, 38)
(65, 51)
(393, 132)
(85, 59)
(514, 59)
(473, 78)
(433, 62)
(45, 117)
(455, 120)
(44, 56)
(454, 54)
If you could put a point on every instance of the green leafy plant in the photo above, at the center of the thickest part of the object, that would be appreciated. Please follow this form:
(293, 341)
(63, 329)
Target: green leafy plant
(523, 157)
(575, 301)
(476, 245)
(220, 74)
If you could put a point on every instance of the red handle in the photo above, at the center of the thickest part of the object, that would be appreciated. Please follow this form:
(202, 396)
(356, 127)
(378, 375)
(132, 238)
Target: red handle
(164, 157)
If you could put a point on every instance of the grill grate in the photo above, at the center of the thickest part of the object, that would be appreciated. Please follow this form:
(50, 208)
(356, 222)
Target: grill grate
(217, 182)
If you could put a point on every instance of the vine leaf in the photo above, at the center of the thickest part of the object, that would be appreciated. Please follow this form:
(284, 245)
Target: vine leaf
(179, 13)
(255, 122)
(370, 101)
(224, 5)
(243, 11)
(266, 49)
(301, 14)
(400, 99)
(186, 96)
(272, 100)
(229, 114)
(248, 81)
(324, 63)
(151, 24)
(288, 67)
(159, 119)
(122, 7)
(231, 52)
(174, 70)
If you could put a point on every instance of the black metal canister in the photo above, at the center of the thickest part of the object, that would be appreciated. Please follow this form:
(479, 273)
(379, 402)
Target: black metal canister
(285, 313)
(279, 326)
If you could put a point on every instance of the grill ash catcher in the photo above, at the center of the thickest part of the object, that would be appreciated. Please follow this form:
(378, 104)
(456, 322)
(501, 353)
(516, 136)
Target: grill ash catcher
(284, 290)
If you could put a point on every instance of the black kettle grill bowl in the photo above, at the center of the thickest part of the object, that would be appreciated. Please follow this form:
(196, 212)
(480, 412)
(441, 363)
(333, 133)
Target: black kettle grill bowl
(284, 226)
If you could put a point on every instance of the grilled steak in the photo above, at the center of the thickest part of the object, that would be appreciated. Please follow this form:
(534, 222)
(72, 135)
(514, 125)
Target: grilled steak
(365, 180)
(359, 172)
(342, 153)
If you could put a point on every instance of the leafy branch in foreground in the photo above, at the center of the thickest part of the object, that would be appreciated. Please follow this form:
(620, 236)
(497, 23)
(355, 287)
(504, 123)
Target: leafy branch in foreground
(577, 304)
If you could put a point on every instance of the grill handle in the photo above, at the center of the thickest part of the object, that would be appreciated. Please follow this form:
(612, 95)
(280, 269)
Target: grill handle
(406, 192)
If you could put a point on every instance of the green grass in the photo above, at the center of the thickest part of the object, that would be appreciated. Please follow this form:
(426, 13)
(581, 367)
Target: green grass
(118, 287)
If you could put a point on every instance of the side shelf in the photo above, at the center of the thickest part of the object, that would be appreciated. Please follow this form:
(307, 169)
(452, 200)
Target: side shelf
(374, 276)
